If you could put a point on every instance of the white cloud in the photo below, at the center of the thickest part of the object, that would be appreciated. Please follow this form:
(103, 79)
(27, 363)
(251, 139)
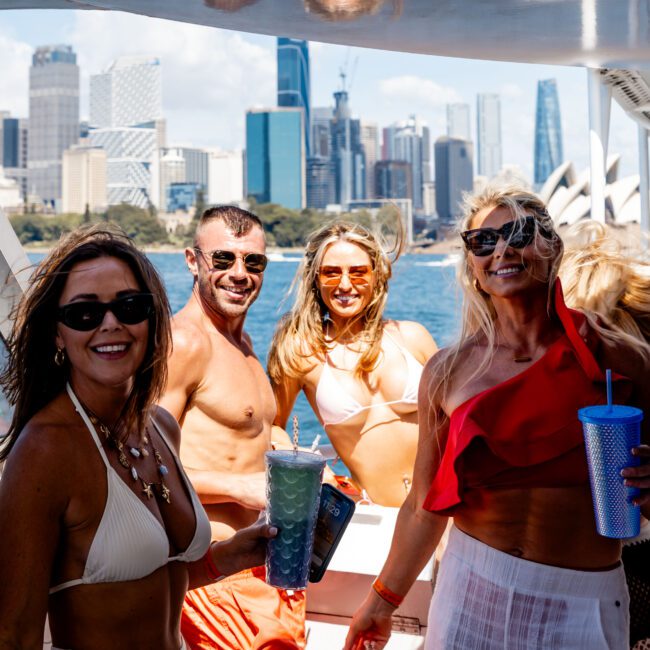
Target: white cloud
(210, 76)
(14, 80)
(417, 92)
(511, 90)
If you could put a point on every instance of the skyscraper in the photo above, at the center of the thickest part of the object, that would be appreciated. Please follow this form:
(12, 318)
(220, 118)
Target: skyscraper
(53, 118)
(84, 179)
(458, 121)
(321, 136)
(488, 134)
(370, 144)
(129, 93)
(319, 183)
(348, 156)
(320, 173)
(409, 141)
(454, 175)
(294, 82)
(548, 131)
(14, 151)
(275, 156)
(225, 177)
(126, 119)
(393, 179)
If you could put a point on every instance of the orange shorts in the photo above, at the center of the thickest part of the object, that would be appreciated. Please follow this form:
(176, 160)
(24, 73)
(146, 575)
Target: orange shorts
(242, 612)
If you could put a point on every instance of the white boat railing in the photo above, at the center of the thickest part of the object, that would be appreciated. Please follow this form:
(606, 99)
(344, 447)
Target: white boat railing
(15, 269)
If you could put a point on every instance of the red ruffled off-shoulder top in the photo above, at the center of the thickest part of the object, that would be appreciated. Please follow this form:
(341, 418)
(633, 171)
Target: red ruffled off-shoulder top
(525, 431)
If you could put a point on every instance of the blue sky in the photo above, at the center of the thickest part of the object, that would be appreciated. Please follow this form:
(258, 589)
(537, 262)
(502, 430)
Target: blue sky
(211, 76)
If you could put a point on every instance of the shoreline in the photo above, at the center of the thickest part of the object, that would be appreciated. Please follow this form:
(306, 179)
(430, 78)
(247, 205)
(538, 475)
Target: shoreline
(444, 247)
(628, 235)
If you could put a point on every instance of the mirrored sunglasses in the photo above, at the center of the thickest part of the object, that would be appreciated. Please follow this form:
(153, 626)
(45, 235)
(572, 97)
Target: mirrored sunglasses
(331, 276)
(223, 260)
(86, 315)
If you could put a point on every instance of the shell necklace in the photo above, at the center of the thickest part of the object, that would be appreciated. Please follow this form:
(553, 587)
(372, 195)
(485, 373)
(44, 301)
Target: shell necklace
(137, 453)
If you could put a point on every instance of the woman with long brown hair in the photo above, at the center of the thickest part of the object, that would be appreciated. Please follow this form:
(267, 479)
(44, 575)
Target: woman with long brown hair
(101, 528)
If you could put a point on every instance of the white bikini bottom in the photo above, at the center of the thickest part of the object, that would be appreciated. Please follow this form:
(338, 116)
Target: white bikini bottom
(488, 600)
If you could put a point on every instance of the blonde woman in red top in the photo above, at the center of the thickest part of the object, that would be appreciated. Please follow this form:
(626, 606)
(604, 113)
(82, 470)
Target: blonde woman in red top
(501, 451)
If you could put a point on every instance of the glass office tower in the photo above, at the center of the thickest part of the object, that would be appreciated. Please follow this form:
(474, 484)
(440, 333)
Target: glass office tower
(548, 131)
(275, 157)
(293, 81)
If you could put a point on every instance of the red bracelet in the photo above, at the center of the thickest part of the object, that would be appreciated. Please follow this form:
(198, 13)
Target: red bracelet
(210, 566)
(384, 592)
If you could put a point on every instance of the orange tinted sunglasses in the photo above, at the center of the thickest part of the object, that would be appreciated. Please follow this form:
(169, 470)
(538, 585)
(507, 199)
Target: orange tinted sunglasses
(331, 276)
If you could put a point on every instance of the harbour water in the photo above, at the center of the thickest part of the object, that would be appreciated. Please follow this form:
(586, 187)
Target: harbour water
(422, 289)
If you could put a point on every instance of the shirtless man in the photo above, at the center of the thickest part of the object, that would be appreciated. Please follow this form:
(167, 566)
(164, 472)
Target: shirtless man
(220, 395)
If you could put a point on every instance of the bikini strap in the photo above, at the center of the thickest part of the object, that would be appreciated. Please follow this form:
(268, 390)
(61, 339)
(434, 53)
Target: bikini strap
(158, 428)
(568, 318)
(84, 416)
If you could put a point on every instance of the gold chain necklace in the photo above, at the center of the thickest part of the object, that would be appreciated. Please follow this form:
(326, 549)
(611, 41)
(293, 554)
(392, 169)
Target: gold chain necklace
(136, 452)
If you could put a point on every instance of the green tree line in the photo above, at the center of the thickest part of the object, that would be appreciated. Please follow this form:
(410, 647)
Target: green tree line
(141, 225)
(284, 227)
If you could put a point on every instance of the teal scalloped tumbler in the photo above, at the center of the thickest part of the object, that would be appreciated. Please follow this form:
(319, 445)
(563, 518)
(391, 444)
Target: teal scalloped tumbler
(610, 434)
(293, 482)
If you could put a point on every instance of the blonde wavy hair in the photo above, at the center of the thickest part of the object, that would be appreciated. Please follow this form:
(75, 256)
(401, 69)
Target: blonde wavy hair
(478, 320)
(300, 334)
(600, 277)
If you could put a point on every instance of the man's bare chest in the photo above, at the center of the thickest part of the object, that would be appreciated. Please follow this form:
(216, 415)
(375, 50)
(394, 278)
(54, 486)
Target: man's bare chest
(235, 392)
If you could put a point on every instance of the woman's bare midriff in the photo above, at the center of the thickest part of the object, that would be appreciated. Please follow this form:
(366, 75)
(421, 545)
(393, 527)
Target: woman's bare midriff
(102, 616)
(552, 526)
(381, 458)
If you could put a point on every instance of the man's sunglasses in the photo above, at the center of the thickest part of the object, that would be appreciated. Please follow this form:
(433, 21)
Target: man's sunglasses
(223, 260)
(518, 234)
(86, 315)
(331, 276)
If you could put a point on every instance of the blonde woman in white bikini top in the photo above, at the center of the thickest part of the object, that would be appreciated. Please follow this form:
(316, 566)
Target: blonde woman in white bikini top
(360, 373)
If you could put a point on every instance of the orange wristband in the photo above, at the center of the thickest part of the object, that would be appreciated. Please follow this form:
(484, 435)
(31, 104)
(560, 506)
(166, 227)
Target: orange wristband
(386, 594)
(210, 566)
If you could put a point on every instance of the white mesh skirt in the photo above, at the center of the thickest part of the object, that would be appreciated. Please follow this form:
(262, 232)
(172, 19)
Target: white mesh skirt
(488, 600)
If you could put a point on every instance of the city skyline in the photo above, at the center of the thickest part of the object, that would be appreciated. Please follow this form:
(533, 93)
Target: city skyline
(211, 77)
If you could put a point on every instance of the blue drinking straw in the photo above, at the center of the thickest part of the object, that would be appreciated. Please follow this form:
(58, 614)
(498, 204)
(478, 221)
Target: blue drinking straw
(608, 375)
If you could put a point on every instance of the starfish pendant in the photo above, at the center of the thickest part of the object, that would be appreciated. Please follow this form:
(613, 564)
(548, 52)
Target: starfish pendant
(165, 492)
(146, 488)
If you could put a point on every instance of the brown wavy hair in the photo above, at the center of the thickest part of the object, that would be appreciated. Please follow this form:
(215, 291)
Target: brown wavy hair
(300, 334)
(31, 379)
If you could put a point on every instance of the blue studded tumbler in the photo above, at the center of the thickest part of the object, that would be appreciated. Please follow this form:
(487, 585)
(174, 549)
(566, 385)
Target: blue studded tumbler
(610, 433)
(293, 481)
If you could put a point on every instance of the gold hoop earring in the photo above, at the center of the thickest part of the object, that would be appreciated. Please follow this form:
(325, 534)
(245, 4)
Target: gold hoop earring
(59, 356)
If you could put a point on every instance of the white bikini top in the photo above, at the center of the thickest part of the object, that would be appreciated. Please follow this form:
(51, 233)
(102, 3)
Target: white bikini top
(130, 543)
(336, 405)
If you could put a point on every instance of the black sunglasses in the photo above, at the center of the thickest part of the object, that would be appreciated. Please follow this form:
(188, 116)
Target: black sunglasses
(223, 260)
(86, 315)
(518, 234)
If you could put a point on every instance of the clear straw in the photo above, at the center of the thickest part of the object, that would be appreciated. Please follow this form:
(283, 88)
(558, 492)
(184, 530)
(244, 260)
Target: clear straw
(295, 433)
(608, 375)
